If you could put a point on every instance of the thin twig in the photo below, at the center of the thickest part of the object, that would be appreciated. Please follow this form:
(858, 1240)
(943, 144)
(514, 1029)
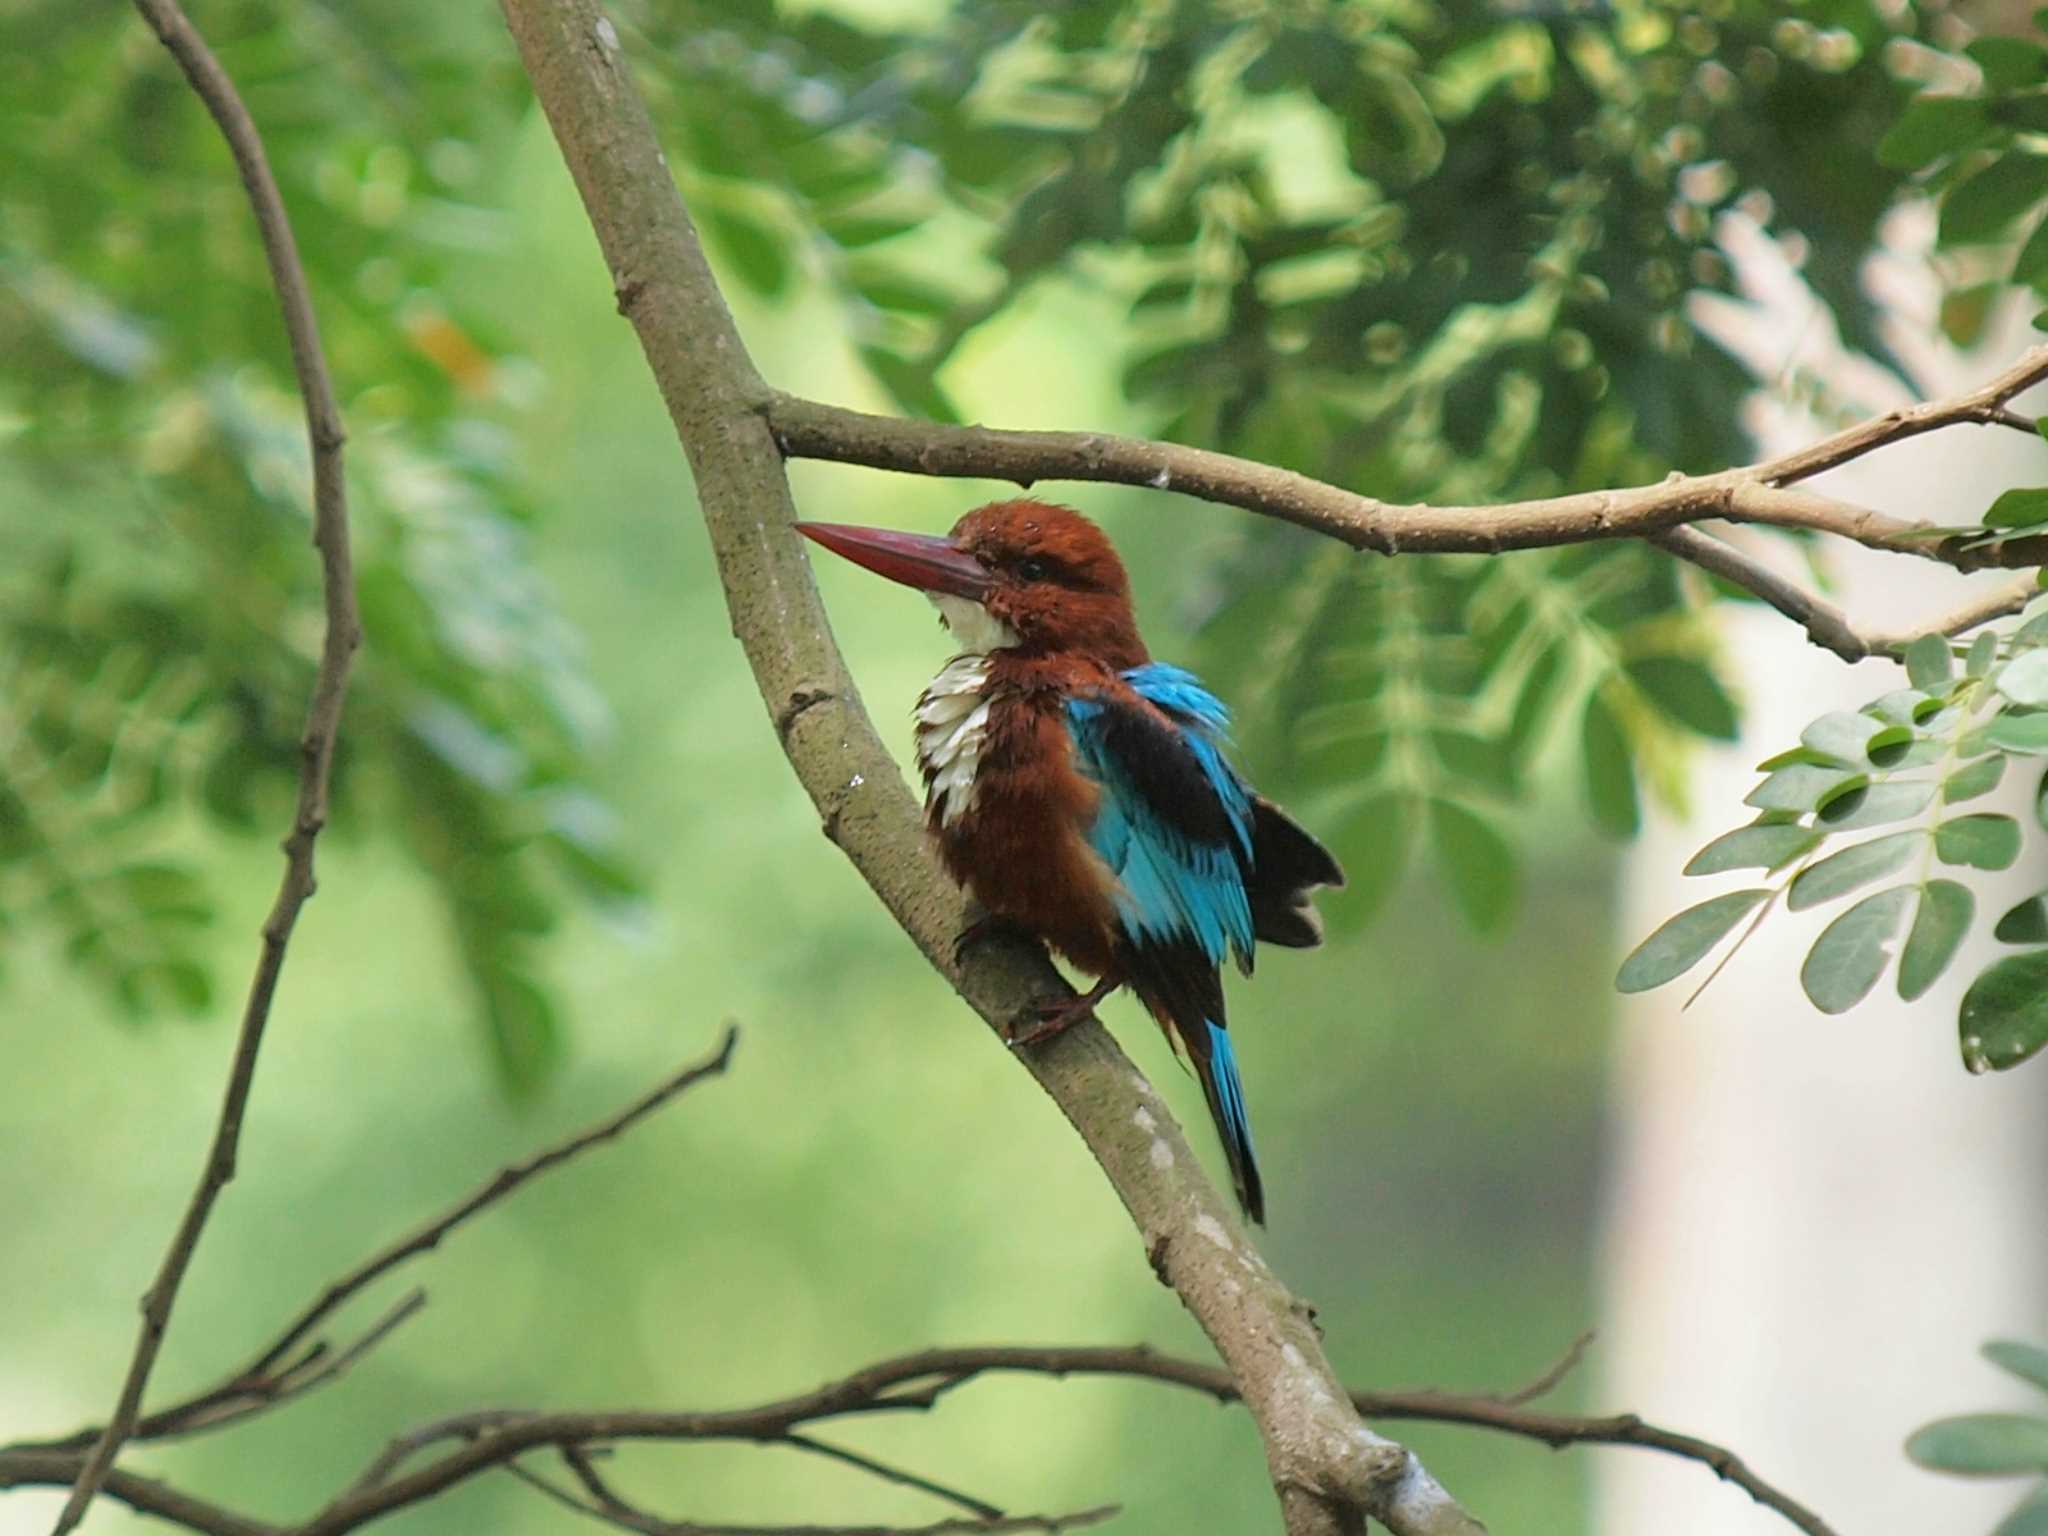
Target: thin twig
(979, 1508)
(615, 1512)
(265, 1382)
(495, 1439)
(1550, 1380)
(323, 715)
(1823, 622)
(428, 1234)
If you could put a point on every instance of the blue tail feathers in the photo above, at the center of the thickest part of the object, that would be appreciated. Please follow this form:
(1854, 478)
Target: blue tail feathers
(1226, 1106)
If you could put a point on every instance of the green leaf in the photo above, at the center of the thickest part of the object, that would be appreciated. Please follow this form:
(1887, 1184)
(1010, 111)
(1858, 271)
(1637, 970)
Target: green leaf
(1842, 736)
(1683, 941)
(1974, 779)
(1803, 787)
(1982, 208)
(1852, 951)
(2024, 679)
(1892, 746)
(1875, 804)
(1902, 706)
(1840, 873)
(1987, 840)
(1757, 846)
(1982, 1443)
(525, 1036)
(2030, 1519)
(2020, 508)
(1983, 651)
(2025, 733)
(2028, 113)
(1374, 842)
(2024, 922)
(2004, 1017)
(2030, 267)
(1687, 691)
(1929, 662)
(2009, 63)
(1610, 772)
(1938, 929)
(1930, 127)
(756, 251)
(1478, 863)
(2029, 1362)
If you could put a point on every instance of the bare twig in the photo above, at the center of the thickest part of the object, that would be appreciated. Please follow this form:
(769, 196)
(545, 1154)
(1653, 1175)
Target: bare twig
(496, 1439)
(323, 715)
(267, 1381)
(1825, 624)
(428, 1234)
(616, 1512)
(1552, 1378)
(888, 1474)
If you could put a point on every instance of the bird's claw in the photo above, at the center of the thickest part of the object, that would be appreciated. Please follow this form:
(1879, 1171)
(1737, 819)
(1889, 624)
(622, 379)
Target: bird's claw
(1050, 1019)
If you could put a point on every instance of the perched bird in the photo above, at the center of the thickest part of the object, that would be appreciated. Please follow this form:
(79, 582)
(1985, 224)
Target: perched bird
(1080, 791)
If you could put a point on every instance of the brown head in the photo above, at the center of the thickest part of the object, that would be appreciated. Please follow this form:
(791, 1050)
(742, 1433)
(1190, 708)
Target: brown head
(1023, 574)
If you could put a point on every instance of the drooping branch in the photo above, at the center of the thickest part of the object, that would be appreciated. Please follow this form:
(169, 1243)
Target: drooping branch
(316, 743)
(1328, 1469)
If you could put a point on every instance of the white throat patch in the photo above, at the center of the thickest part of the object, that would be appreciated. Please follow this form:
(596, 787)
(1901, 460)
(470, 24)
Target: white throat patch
(977, 630)
(952, 727)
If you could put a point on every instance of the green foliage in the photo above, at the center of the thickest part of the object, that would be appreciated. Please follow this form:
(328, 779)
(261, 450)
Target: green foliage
(161, 610)
(1979, 156)
(1996, 1444)
(1911, 755)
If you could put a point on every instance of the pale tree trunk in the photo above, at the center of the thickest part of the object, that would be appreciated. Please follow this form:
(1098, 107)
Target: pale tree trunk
(1815, 1221)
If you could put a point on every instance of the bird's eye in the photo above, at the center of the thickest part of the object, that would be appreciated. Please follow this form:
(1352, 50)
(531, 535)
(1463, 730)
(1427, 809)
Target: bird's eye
(1033, 569)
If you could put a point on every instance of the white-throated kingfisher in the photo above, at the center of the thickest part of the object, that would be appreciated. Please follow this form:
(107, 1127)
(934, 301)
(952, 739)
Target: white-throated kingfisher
(1080, 791)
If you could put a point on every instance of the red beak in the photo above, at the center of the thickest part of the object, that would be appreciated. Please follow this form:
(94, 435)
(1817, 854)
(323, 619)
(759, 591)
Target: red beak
(915, 559)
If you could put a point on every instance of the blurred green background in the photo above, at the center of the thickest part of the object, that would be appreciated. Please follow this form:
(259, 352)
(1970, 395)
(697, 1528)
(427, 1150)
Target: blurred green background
(562, 813)
(875, 1175)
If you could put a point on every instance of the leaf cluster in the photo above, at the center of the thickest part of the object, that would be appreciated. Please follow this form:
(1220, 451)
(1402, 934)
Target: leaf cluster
(159, 617)
(1996, 1444)
(1896, 769)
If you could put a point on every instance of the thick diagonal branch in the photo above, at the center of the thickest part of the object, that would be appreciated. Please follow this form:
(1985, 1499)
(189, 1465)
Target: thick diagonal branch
(316, 744)
(1329, 1470)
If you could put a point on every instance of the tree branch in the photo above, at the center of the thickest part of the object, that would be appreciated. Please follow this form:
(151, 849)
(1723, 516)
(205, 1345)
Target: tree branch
(323, 715)
(267, 1381)
(495, 1439)
(1328, 1469)
(1760, 493)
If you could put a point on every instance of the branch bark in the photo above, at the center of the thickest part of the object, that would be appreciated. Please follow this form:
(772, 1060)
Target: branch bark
(1766, 493)
(316, 744)
(1329, 1470)
(496, 1439)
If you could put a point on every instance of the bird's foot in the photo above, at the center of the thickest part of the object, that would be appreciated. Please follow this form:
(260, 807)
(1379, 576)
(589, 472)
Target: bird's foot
(1062, 1014)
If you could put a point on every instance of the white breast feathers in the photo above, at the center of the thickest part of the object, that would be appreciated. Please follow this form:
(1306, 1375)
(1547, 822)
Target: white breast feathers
(952, 727)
